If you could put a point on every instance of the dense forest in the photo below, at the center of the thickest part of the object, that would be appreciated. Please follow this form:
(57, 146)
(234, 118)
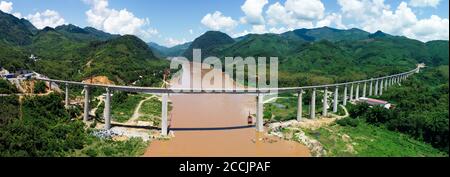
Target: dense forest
(47, 129)
(73, 53)
(421, 109)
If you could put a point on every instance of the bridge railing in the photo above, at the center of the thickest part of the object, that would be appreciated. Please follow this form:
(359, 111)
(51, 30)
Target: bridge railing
(217, 90)
(375, 85)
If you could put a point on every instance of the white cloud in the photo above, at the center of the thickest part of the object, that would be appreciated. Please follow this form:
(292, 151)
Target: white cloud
(191, 31)
(424, 3)
(278, 14)
(434, 28)
(253, 11)
(401, 21)
(280, 30)
(18, 14)
(362, 10)
(117, 21)
(217, 21)
(170, 42)
(259, 29)
(306, 9)
(330, 19)
(243, 33)
(6, 6)
(48, 18)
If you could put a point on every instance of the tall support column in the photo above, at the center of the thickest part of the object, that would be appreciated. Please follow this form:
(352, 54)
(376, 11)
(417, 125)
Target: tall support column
(376, 88)
(381, 87)
(312, 113)
(107, 110)
(164, 119)
(370, 87)
(357, 92)
(351, 93)
(259, 115)
(50, 86)
(364, 89)
(86, 103)
(344, 102)
(325, 102)
(335, 102)
(300, 105)
(66, 100)
(386, 84)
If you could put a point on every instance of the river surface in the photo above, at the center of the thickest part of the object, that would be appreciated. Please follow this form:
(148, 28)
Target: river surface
(216, 125)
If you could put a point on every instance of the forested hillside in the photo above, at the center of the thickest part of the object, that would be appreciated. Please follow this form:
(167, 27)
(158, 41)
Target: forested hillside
(327, 55)
(73, 53)
(421, 108)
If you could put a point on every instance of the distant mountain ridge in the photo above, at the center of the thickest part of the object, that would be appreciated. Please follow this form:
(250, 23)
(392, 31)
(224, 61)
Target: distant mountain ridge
(74, 53)
(163, 51)
(209, 42)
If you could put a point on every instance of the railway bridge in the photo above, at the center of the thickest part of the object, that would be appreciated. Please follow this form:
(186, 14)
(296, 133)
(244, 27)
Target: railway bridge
(351, 91)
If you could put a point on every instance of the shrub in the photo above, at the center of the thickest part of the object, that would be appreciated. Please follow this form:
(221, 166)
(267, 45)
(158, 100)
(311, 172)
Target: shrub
(348, 122)
(39, 87)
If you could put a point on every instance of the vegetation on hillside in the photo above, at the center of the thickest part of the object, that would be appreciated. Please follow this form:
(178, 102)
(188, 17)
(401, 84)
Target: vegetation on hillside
(72, 53)
(47, 129)
(9, 109)
(6, 87)
(366, 140)
(421, 109)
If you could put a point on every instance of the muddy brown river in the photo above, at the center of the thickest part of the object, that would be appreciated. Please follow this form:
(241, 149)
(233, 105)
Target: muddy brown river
(216, 125)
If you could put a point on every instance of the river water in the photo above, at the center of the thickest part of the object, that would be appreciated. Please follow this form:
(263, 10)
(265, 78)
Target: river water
(216, 125)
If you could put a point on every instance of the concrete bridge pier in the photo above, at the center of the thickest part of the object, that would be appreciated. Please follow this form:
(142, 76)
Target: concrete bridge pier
(164, 120)
(370, 87)
(376, 88)
(364, 89)
(381, 87)
(392, 81)
(107, 110)
(66, 100)
(86, 103)
(300, 105)
(260, 113)
(344, 101)
(386, 84)
(312, 112)
(357, 92)
(335, 102)
(351, 93)
(325, 102)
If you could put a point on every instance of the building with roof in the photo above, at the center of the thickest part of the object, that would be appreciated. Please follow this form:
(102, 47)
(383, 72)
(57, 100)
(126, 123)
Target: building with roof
(375, 102)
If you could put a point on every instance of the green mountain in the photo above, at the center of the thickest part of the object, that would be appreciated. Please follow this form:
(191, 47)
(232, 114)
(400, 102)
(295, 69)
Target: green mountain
(100, 35)
(74, 53)
(327, 55)
(327, 33)
(262, 45)
(163, 52)
(211, 42)
(15, 31)
(123, 60)
(83, 35)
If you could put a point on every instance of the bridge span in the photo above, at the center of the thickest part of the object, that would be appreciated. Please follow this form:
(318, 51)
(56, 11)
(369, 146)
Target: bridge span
(370, 87)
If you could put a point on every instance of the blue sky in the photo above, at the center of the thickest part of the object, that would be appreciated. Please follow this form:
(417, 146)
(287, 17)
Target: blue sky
(171, 22)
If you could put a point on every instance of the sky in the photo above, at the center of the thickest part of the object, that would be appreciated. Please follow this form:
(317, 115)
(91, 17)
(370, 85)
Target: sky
(173, 22)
